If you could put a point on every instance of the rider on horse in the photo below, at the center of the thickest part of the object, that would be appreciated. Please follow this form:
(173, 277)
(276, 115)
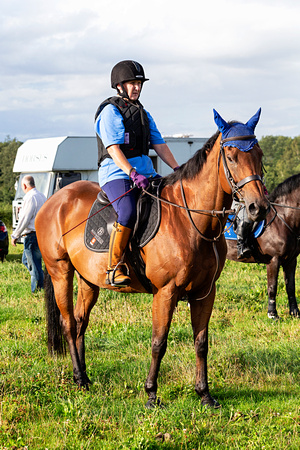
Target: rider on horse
(125, 132)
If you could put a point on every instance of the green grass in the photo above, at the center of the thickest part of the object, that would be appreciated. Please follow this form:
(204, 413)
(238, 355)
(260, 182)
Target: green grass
(254, 367)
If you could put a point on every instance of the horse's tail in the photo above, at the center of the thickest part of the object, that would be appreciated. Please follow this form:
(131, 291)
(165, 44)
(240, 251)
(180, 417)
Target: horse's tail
(56, 341)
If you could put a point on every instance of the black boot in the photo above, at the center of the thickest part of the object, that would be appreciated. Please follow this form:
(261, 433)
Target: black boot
(243, 250)
(242, 229)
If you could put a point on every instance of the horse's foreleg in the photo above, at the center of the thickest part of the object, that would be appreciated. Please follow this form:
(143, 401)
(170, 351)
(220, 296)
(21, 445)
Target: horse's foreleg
(62, 279)
(200, 315)
(289, 271)
(86, 299)
(162, 312)
(272, 276)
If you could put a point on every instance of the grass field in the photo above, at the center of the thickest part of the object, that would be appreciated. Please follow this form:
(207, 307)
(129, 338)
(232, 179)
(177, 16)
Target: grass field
(254, 366)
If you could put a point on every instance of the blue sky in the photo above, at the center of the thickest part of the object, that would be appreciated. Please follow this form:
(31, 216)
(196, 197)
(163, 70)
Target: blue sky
(234, 56)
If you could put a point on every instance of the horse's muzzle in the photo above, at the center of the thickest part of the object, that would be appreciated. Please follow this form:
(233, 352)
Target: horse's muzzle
(257, 212)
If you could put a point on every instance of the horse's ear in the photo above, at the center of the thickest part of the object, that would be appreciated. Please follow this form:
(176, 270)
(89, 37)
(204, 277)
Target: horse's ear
(221, 123)
(254, 120)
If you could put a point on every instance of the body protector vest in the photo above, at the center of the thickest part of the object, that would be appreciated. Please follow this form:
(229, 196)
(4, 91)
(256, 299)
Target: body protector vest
(137, 131)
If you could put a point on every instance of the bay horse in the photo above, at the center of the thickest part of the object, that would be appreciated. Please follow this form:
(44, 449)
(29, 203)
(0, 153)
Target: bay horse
(183, 260)
(279, 244)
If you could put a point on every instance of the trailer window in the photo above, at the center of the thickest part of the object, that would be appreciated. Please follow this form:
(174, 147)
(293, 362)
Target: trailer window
(63, 179)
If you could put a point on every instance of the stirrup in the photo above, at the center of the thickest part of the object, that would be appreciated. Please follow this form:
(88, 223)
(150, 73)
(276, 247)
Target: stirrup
(244, 253)
(110, 276)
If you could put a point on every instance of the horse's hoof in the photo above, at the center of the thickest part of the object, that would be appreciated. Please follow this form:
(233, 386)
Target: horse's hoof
(86, 380)
(210, 402)
(154, 403)
(295, 313)
(82, 383)
(273, 315)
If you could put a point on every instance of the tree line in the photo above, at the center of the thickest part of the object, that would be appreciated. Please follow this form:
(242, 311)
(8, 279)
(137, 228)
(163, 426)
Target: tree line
(281, 159)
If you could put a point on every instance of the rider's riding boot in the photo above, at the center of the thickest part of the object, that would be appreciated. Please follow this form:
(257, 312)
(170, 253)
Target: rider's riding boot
(242, 230)
(118, 241)
(243, 250)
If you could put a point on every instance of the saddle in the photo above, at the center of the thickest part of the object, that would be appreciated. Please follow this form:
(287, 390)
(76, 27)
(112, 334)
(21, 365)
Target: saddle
(102, 216)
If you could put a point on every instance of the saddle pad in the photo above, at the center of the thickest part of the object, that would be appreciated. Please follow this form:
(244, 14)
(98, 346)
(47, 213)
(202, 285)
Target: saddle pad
(96, 233)
(98, 226)
(231, 235)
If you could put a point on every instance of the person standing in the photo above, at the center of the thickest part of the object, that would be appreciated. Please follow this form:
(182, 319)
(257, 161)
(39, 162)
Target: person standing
(31, 258)
(125, 132)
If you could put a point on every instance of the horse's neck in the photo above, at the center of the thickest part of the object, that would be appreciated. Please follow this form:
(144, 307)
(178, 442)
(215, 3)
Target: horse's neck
(291, 216)
(206, 190)
(205, 194)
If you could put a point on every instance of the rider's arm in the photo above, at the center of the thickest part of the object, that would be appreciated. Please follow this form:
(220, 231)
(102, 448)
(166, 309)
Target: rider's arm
(119, 158)
(165, 154)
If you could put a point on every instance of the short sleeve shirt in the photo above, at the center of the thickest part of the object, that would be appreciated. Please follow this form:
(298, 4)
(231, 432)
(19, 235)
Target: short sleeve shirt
(110, 127)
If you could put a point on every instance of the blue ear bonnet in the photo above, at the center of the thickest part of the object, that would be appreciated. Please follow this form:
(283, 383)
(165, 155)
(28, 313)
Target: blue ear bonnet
(238, 129)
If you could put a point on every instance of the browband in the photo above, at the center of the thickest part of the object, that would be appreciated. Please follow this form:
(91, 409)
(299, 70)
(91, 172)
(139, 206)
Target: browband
(239, 138)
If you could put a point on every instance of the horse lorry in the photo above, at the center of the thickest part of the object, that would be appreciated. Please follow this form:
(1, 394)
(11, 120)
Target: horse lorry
(58, 161)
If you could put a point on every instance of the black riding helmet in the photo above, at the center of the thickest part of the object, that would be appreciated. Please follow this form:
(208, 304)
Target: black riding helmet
(127, 71)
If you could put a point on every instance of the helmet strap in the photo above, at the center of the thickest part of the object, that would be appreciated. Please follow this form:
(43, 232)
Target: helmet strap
(124, 93)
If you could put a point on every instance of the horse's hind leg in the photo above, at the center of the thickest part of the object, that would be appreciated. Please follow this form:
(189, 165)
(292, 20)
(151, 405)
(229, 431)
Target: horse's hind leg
(200, 315)
(289, 271)
(86, 299)
(62, 278)
(162, 312)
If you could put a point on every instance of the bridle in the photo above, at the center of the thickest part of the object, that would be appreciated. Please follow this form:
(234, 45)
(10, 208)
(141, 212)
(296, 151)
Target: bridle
(235, 187)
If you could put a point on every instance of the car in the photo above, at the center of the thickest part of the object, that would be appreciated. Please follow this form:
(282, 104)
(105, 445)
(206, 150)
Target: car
(3, 241)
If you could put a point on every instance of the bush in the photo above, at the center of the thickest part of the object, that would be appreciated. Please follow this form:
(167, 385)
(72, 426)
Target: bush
(6, 213)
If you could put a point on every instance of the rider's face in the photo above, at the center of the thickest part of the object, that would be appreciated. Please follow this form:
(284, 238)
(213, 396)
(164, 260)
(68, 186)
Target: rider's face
(133, 89)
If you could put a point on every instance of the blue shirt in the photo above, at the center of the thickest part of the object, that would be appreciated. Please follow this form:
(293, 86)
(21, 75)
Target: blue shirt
(110, 127)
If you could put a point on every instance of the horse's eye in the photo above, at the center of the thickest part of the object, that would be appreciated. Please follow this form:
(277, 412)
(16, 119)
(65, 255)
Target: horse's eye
(229, 158)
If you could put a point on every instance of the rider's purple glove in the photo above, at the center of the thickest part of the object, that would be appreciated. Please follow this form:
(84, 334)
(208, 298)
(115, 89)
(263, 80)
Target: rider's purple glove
(139, 180)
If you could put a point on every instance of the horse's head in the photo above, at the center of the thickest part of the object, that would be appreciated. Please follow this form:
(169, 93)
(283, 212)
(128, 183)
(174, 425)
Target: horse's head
(242, 164)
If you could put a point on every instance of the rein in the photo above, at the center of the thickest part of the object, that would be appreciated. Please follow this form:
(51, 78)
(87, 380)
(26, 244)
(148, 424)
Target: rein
(281, 218)
(285, 206)
(213, 212)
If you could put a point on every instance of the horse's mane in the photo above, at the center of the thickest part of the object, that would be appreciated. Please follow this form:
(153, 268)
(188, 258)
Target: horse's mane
(286, 187)
(193, 166)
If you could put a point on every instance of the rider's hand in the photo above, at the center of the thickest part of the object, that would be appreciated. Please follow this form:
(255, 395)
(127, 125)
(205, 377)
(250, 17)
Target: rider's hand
(139, 180)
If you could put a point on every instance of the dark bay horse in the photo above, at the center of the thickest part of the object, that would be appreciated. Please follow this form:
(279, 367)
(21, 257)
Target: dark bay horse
(183, 260)
(279, 245)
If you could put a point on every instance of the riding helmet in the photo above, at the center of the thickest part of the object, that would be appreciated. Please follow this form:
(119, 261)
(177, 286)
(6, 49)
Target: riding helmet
(127, 71)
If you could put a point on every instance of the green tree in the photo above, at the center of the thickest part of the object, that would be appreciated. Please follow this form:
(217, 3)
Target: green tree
(281, 158)
(8, 150)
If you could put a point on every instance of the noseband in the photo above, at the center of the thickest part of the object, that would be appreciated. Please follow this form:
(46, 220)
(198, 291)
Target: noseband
(235, 187)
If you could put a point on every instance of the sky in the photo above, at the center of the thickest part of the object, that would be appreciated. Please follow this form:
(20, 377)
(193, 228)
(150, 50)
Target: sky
(234, 56)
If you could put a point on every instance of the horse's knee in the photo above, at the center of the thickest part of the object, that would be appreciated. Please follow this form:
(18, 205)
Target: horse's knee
(159, 347)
